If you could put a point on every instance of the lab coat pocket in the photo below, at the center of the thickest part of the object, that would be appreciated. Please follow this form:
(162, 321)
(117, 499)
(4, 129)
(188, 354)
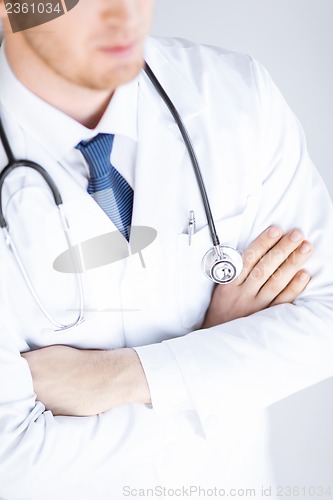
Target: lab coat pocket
(194, 288)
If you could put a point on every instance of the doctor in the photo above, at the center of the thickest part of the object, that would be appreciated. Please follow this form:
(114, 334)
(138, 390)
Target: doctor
(165, 402)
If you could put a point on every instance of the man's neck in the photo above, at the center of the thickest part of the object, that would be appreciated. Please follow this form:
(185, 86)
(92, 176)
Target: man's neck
(84, 105)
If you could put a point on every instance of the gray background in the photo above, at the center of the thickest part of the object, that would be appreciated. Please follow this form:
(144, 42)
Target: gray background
(292, 38)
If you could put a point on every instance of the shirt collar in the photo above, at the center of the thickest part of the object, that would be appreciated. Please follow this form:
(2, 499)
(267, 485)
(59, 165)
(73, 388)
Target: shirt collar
(56, 131)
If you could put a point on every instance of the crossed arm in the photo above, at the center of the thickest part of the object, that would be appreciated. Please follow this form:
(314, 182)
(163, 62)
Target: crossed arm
(70, 381)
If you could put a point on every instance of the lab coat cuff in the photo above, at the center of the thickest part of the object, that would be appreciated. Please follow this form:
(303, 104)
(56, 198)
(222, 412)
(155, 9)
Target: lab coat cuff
(168, 391)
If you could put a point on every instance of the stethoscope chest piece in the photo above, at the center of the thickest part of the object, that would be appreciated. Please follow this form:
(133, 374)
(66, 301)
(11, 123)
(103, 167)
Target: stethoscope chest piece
(222, 264)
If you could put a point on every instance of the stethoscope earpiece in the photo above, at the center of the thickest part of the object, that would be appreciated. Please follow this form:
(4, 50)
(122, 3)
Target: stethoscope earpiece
(222, 264)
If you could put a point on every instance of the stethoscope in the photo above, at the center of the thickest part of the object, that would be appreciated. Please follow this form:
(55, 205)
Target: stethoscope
(221, 264)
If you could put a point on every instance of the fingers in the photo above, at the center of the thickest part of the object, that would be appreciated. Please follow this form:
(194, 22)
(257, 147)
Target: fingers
(287, 256)
(258, 248)
(285, 279)
(272, 275)
(293, 289)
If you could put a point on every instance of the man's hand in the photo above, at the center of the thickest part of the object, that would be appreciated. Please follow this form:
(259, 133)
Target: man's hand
(77, 382)
(272, 275)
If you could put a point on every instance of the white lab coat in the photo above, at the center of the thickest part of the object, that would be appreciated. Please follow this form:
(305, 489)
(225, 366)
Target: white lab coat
(209, 388)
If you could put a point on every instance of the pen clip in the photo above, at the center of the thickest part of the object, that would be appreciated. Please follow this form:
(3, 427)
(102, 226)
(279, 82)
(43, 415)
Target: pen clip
(191, 226)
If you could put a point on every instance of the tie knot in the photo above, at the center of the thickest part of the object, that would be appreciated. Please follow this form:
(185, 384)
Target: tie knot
(97, 154)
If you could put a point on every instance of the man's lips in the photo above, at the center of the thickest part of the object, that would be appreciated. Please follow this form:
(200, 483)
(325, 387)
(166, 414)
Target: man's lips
(119, 50)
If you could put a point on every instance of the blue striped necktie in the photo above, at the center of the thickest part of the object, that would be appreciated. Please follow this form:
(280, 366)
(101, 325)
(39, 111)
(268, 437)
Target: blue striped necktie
(107, 186)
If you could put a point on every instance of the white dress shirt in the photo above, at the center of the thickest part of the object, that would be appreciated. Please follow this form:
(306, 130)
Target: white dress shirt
(58, 133)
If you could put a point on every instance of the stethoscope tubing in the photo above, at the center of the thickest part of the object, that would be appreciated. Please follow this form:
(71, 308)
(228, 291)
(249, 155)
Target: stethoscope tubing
(12, 165)
(188, 143)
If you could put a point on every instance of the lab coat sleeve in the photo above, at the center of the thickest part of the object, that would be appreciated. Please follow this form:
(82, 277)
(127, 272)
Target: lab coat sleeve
(250, 363)
(40, 452)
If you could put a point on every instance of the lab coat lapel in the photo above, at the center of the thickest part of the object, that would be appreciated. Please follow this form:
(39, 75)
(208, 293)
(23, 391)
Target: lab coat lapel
(161, 149)
(161, 172)
(158, 158)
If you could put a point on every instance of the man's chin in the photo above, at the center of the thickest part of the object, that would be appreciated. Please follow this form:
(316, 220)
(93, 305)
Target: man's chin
(118, 76)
